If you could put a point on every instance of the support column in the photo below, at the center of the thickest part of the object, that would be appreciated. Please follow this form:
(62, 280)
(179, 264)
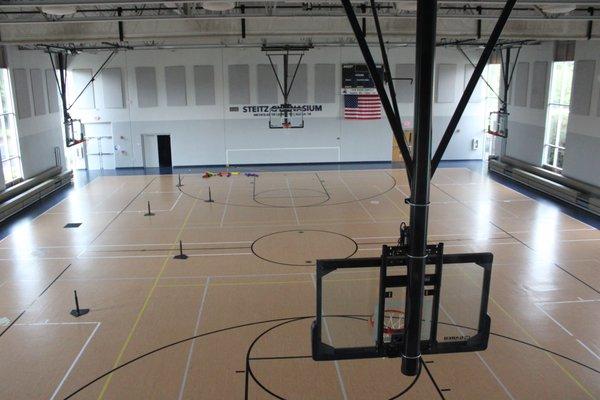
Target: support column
(419, 200)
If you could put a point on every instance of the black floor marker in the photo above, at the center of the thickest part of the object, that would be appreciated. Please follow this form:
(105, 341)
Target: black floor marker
(78, 312)
(180, 256)
(210, 199)
(149, 213)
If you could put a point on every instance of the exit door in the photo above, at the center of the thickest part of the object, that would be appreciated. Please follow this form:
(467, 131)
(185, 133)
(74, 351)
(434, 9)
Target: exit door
(164, 151)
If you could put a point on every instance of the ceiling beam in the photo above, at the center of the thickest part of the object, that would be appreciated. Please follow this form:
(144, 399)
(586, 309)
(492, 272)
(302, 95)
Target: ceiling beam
(39, 3)
(41, 19)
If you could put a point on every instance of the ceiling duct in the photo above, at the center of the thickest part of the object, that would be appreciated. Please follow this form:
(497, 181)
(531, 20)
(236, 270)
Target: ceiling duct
(218, 5)
(557, 9)
(59, 10)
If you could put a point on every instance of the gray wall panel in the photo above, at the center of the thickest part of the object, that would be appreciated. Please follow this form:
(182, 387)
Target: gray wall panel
(583, 85)
(81, 78)
(37, 89)
(145, 79)
(239, 84)
(52, 91)
(325, 83)
(581, 158)
(477, 95)
(405, 90)
(266, 84)
(22, 93)
(445, 83)
(299, 92)
(204, 85)
(525, 142)
(112, 86)
(175, 86)
(520, 86)
(539, 82)
(37, 151)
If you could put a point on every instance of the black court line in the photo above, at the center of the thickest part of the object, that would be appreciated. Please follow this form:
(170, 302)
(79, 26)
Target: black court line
(12, 323)
(525, 244)
(249, 324)
(277, 358)
(121, 212)
(325, 204)
(38, 296)
(437, 388)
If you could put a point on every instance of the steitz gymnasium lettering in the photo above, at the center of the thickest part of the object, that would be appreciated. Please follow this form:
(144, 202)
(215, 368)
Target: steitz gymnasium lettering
(262, 111)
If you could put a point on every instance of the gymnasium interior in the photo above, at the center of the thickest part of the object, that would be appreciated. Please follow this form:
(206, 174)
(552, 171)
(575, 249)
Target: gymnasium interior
(339, 199)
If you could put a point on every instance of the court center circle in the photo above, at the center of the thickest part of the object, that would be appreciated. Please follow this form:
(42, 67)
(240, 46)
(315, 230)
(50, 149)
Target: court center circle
(303, 247)
(292, 197)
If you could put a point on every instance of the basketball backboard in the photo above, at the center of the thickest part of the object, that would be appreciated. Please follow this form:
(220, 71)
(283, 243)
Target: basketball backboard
(286, 117)
(361, 305)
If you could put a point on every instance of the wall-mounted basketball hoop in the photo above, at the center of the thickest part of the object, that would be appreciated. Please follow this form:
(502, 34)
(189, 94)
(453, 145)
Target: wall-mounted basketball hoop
(498, 124)
(286, 116)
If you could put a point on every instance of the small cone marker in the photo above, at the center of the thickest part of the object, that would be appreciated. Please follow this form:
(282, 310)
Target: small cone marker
(78, 312)
(180, 256)
(149, 213)
(210, 199)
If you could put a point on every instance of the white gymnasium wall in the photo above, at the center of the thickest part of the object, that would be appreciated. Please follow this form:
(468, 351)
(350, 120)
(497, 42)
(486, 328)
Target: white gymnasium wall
(583, 133)
(38, 119)
(216, 133)
(527, 118)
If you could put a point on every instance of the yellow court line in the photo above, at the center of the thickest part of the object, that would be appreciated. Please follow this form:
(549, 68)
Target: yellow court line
(260, 283)
(146, 302)
(565, 371)
(573, 378)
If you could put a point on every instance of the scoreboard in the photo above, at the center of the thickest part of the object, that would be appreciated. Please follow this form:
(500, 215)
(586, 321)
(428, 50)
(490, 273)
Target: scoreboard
(356, 78)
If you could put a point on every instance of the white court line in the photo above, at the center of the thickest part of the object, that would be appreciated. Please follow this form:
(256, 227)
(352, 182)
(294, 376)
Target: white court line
(158, 210)
(358, 200)
(337, 365)
(185, 277)
(155, 256)
(496, 377)
(191, 351)
(553, 320)
(292, 200)
(386, 195)
(588, 349)
(126, 245)
(567, 302)
(87, 342)
(226, 204)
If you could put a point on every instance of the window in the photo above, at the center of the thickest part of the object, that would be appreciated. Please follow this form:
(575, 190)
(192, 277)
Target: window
(557, 117)
(9, 139)
(492, 75)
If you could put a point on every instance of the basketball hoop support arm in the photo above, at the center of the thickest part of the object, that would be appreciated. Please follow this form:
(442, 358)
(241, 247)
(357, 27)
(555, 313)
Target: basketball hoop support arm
(421, 169)
(464, 100)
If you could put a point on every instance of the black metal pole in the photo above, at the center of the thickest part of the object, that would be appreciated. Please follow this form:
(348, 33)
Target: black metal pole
(464, 100)
(285, 78)
(386, 63)
(385, 102)
(504, 100)
(419, 200)
(61, 61)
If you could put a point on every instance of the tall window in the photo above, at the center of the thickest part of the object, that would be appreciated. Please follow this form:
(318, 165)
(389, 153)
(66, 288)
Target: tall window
(557, 117)
(9, 140)
(492, 74)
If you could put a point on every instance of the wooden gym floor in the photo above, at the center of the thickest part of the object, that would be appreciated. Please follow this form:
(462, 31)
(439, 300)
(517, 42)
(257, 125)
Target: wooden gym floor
(250, 269)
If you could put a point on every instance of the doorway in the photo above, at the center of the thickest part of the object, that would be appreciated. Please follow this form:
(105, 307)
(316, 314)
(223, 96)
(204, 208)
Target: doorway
(164, 150)
(99, 147)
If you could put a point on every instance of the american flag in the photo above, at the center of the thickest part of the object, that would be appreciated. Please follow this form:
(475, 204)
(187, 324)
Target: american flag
(362, 106)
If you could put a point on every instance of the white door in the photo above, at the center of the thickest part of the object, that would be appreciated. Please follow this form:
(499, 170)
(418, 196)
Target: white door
(100, 146)
(150, 147)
